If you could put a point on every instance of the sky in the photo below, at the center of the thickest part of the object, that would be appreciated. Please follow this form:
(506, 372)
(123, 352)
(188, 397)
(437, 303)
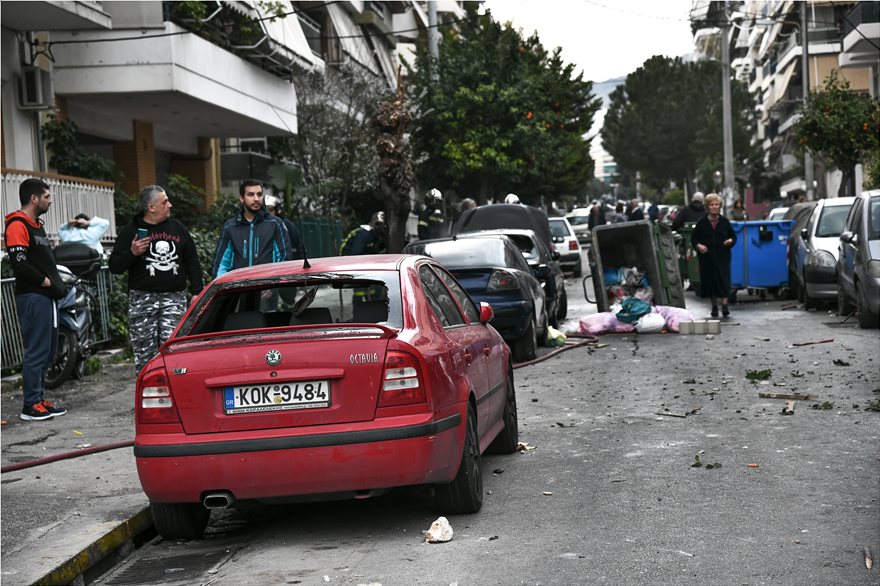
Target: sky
(605, 39)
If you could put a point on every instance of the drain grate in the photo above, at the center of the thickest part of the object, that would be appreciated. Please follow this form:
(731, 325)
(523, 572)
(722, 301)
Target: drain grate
(185, 567)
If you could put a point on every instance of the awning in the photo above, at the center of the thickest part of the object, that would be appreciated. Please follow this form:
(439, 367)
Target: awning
(385, 61)
(782, 81)
(352, 38)
(285, 43)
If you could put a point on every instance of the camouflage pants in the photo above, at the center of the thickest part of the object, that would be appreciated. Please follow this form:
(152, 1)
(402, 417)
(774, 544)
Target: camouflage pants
(152, 317)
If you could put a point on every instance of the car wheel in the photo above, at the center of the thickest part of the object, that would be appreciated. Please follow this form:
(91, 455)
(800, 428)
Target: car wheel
(465, 493)
(542, 332)
(507, 441)
(180, 520)
(809, 302)
(844, 307)
(793, 286)
(578, 271)
(526, 348)
(562, 307)
(66, 357)
(867, 319)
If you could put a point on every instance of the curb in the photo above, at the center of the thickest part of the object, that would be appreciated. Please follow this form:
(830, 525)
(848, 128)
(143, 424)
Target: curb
(125, 532)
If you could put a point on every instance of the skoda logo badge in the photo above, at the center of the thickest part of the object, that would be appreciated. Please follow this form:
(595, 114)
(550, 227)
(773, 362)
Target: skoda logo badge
(273, 357)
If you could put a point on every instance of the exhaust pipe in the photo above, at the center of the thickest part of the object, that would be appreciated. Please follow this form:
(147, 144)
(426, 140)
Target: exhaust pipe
(218, 500)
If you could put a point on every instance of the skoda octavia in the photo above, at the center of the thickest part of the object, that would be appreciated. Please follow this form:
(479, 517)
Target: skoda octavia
(337, 380)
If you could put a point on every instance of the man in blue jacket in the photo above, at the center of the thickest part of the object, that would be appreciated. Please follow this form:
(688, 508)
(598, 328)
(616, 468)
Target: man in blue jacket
(253, 236)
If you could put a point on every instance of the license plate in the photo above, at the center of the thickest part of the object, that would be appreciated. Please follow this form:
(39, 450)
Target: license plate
(279, 396)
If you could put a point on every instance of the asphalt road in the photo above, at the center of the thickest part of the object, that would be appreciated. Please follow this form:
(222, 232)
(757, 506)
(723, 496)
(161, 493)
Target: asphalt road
(610, 493)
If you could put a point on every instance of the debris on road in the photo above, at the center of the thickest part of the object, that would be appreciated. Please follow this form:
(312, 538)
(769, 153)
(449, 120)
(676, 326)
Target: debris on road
(790, 306)
(869, 561)
(788, 409)
(498, 471)
(751, 465)
(547, 493)
(788, 396)
(524, 447)
(759, 374)
(798, 344)
(824, 406)
(671, 414)
(440, 531)
(840, 362)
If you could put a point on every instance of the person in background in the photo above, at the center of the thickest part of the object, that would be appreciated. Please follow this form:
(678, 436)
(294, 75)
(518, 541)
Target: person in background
(432, 221)
(37, 286)
(653, 211)
(619, 217)
(365, 239)
(253, 236)
(465, 205)
(738, 212)
(690, 213)
(712, 238)
(297, 246)
(159, 256)
(597, 215)
(634, 212)
(86, 230)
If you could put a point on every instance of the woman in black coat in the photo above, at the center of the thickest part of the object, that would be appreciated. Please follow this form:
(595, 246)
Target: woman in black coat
(712, 238)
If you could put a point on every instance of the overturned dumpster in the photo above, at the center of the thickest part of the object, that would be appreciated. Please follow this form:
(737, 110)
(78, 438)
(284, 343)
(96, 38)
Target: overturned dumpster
(648, 248)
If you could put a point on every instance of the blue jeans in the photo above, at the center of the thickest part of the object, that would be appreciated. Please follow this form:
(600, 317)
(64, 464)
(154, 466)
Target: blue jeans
(38, 320)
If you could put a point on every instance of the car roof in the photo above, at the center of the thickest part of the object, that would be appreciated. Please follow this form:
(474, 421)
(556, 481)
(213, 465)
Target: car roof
(836, 201)
(373, 262)
(501, 232)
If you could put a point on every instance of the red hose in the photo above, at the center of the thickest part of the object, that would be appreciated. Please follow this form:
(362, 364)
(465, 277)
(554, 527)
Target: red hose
(65, 456)
(588, 340)
(126, 444)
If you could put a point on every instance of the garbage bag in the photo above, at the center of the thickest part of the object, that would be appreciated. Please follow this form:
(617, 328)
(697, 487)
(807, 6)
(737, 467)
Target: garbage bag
(674, 316)
(631, 309)
(650, 323)
(555, 337)
(603, 323)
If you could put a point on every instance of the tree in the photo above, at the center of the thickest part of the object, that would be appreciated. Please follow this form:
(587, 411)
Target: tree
(665, 121)
(503, 115)
(396, 176)
(334, 142)
(841, 126)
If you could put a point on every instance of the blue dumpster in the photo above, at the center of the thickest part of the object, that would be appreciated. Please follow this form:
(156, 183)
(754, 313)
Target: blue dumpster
(759, 259)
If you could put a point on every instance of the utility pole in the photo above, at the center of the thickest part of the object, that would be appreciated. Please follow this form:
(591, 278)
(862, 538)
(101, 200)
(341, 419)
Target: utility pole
(805, 84)
(725, 99)
(433, 39)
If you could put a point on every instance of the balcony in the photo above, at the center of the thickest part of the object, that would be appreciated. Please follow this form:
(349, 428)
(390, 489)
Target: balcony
(51, 16)
(861, 29)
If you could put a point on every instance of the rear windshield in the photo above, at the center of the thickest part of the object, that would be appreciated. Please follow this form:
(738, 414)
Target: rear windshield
(578, 220)
(370, 297)
(559, 229)
(831, 221)
(464, 252)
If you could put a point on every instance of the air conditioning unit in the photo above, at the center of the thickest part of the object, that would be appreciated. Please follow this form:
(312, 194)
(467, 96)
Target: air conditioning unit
(35, 89)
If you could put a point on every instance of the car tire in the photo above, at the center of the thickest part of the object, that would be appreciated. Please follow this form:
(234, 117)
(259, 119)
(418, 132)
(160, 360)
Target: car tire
(578, 271)
(809, 302)
(180, 520)
(66, 358)
(465, 493)
(844, 307)
(561, 307)
(526, 348)
(507, 441)
(793, 286)
(867, 319)
(542, 332)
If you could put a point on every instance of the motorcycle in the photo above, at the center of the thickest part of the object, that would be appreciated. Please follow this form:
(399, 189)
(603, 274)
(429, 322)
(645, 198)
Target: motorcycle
(75, 315)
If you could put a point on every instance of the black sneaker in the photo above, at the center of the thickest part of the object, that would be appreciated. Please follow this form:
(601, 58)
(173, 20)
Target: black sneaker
(714, 311)
(53, 410)
(725, 311)
(35, 412)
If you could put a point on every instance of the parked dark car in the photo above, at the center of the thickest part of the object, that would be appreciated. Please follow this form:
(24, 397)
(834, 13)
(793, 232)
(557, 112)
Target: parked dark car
(800, 213)
(815, 251)
(858, 261)
(493, 270)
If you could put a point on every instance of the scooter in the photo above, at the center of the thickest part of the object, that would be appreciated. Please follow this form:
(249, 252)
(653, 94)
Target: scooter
(74, 331)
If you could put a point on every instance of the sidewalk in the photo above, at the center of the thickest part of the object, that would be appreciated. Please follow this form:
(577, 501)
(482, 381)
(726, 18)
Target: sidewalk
(60, 518)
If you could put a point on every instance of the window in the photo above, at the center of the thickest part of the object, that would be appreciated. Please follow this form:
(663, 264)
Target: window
(461, 295)
(443, 304)
(831, 221)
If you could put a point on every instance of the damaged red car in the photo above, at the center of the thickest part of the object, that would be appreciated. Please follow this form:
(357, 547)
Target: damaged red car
(342, 379)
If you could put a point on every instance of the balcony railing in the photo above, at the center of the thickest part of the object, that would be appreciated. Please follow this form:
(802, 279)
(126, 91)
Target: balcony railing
(862, 13)
(70, 196)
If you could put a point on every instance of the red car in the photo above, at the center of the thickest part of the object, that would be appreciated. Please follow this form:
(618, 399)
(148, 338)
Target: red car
(340, 380)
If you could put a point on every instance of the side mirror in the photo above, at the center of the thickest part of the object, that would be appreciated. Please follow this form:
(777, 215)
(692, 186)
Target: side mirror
(803, 233)
(542, 271)
(555, 255)
(486, 313)
(848, 237)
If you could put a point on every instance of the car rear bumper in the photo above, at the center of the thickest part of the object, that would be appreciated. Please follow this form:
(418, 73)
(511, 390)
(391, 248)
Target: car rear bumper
(573, 259)
(511, 319)
(175, 469)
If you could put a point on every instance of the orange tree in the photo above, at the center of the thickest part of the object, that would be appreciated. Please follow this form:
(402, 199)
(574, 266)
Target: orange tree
(841, 126)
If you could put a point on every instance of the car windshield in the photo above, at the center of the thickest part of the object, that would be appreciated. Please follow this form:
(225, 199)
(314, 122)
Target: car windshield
(831, 221)
(291, 300)
(464, 252)
(578, 220)
(874, 218)
(558, 229)
(527, 246)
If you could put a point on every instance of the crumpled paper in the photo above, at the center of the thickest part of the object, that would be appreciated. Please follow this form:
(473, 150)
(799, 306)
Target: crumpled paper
(440, 531)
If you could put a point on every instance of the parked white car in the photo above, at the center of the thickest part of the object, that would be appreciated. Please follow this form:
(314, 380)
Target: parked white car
(580, 224)
(567, 245)
(776, 214)
(816, 255)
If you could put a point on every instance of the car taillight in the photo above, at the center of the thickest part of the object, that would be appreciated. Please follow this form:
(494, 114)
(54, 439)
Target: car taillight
(573, 245)
(402, 383)
(155, 402)
(502, 281)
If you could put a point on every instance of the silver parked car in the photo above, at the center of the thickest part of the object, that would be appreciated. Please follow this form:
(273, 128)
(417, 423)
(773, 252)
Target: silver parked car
(858, 261)
(815, 255)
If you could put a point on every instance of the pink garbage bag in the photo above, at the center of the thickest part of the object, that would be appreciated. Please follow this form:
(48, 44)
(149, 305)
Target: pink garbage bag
(674, 316)
(604, 323)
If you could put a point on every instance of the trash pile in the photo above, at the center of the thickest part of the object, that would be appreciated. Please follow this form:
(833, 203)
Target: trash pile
(632, 310)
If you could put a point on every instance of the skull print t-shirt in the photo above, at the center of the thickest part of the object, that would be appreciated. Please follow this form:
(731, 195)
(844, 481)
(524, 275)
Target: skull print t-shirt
(168, 263)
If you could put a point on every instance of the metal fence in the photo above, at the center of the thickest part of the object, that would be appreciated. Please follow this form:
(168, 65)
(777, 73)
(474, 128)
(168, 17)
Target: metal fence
(12, 347)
